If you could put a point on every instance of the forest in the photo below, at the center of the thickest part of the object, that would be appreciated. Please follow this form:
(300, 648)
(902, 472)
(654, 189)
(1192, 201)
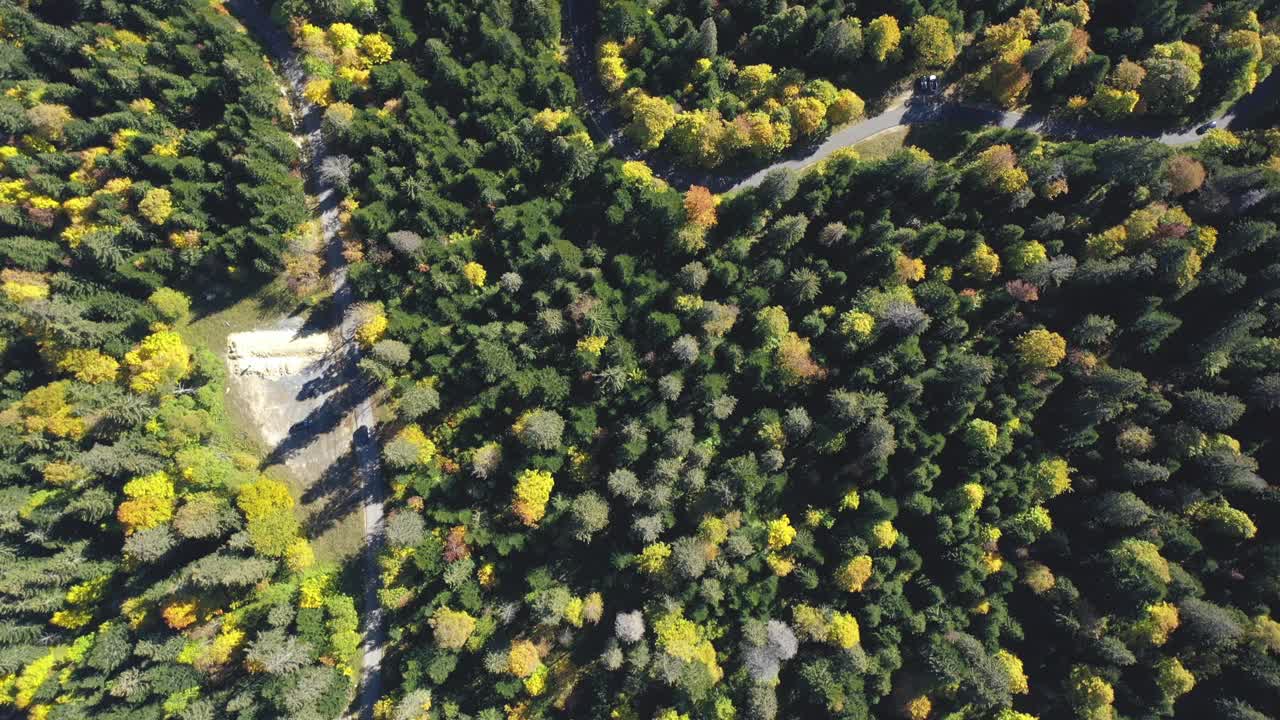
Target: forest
(718, 82)
(978, 427)
(146, 570)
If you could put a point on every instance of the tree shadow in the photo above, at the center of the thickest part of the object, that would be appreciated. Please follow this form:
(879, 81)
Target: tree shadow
(344, 488)
(337, 493)
(322, 317)
(339, 370)
(366, 445)
(322, 420)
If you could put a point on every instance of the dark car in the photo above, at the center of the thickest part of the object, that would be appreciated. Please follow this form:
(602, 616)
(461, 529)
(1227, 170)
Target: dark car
(928, 85)
(1206, 127)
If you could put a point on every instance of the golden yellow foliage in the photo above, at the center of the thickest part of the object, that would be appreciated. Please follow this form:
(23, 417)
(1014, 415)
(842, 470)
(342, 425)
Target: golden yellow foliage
(918, 708)
(653, 559)
(781, 533)
(1041, 348)
(523, 659)
(475, 274)
(533, 490)
(46, 410)
(156, 206)
(854, 573)
(89, 366)
(161, 359)
(179, 614)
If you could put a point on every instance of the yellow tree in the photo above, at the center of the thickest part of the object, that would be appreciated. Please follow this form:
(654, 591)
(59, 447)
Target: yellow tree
(931, 39)
(795, 360)
(918, 708)
(807, 115)
(523, 659)
(89, 366)
(781, 533)
(854, 573)
(150, 502)
(180, 614)
(983, 263)
(268, 507)
(21, 286)
(533, 490)
(756, 80)
(610, 67)
(651, 118)
(883, 37)
(161, 359)
(47, 410)
(1004, 45)
(475, 274)
(686, 641)
(371, 323)
(1111, 103)
(1041, 349)
(1090, 694)
(701, 137)
(377, 50)
(843, 631)
(847, 106)
(156, 206)
(996, 168)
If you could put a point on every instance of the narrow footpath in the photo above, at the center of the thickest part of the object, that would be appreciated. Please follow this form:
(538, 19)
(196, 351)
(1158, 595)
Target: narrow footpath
(308, 120)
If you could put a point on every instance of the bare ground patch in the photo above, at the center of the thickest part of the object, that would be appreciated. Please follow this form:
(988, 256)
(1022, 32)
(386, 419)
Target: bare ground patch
(290, 383)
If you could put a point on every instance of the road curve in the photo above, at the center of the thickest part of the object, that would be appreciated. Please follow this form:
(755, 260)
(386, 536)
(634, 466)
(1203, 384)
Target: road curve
(308, 120)
(602, 118)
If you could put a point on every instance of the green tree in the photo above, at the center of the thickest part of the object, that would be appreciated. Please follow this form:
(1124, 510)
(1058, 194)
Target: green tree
(883, 36)
(931, 41)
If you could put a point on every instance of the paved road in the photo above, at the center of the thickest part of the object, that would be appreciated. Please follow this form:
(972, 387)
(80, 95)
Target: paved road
(605, 124)
(308, 119)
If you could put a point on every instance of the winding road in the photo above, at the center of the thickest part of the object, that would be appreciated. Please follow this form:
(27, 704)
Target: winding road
(603, 120)
(308, 120)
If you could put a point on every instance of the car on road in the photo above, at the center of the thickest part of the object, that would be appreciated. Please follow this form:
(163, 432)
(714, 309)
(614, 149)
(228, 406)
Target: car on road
(1206, 127)
(928, 85)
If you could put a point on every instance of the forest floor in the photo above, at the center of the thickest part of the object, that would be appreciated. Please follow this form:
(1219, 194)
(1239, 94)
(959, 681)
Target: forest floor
(219, 313)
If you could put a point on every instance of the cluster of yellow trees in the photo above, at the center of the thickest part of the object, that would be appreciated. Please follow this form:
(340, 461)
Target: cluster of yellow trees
(339, 51)
(105, 200)
(778, 111)
(1165, 83)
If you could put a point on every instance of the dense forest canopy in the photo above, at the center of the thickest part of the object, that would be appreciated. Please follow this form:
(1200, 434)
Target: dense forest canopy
(145, 570)
(979, 429)
(719, 82)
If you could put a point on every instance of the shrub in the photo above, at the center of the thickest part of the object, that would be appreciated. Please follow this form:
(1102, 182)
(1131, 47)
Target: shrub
(172, 305)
